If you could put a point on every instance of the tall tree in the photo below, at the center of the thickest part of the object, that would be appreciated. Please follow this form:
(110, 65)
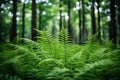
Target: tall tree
(93, 22)
(23, 19)
(118, 19)
(79, 16)
(83, 16)
(1, 28)
(98, 21)
(69, 20)
(60, 14)
(34, 22)
(13, 31)
(84, 30)
(40, 16)
(112, 28)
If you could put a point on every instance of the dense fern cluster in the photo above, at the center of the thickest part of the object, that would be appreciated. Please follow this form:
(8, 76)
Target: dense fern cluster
(52, 59)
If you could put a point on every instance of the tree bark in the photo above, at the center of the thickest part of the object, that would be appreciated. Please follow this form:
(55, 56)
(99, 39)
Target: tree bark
(118, 19)
(13, 31)
(60, 14)
(80, 29)
(40, 16)
(99, 29)
(23, 20)
(83, 16)
(33, 23)
(84, 30)
(69, 21)
(93, 17)
(112, 28)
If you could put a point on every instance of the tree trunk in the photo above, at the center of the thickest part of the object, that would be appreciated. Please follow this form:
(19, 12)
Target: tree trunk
(112, 28)
(119, 27)
(118, 19)
(84, 30)
(23, 20)
(13, 31)
(60, 14)
(33, 23)
(99, 29)
(93, 18)
(40, 16)
(69, 21)
(83, 16)
(79, 15)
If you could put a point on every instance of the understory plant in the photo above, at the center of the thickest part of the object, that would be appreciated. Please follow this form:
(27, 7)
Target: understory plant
(53, 59)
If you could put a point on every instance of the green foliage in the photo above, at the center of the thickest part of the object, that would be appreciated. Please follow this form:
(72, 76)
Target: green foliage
(50, 59)
(8, 77)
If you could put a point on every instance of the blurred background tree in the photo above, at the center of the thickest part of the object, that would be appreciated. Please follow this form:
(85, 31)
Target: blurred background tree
(81, 18)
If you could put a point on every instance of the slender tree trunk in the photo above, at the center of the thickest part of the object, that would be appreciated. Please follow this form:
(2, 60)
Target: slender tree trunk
(99, 29)
(1, 28)
(84, 30)
(60, 14)
(113, 28)
(40, 16)
(69, 21)
(118, 19)
(53, 29)
(83, 16)
(23, 20)
(93, 17)
(80, 29)
(13, 31)
(33, 23)
(119, 27)
(64, 23)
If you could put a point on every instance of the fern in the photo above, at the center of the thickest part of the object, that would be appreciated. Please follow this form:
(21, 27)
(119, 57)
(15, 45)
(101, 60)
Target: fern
(64, 38)
(8, 77)
(47, 39)
(89, 68)
(59, 74)
(53, 59)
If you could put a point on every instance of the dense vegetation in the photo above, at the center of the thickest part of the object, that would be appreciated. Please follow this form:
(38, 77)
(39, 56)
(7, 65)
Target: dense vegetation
(59, 40)
(50, 59)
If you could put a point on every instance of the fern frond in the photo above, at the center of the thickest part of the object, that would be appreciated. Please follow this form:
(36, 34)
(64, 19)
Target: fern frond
(91, 66)
(50, 62)
(8, 77)
(59, 74)
(64, 36)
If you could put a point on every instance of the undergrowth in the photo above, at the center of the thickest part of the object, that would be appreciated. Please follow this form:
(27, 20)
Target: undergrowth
(52, 59)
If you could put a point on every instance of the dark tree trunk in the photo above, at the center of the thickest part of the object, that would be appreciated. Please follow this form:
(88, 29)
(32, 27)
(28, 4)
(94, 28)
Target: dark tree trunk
(119, 27)
(79, 15)
(2, 39)
(60, 14)
(112, 28)
(99, 29)
(118, 19)
(40, 16)
(33, 23)
(93, 17)
(23, 20)
(13, 31)
(83, 16)
(84, 30)
(69, 21)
